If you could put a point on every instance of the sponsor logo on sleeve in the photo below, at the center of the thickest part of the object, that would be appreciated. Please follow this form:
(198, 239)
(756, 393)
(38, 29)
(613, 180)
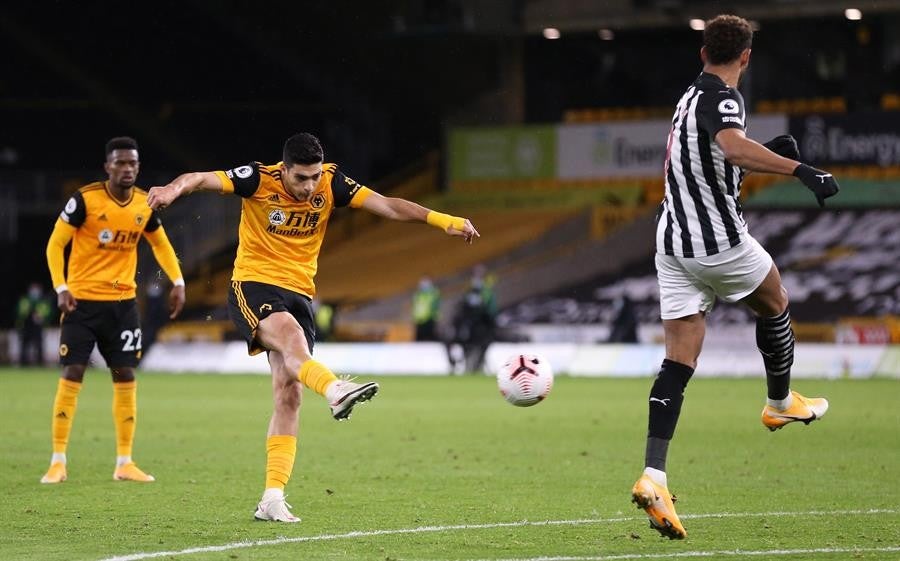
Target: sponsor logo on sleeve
(71, 205)
(243, 172)
(729, 107)
(354, 186)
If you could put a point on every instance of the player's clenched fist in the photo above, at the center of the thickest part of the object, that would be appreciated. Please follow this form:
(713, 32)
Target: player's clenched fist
(161, 197)
(821, 183)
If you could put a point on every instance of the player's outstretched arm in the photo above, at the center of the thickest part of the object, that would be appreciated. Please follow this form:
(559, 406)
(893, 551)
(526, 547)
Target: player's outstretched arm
(185, 184)
(408, 211)
(753, 156)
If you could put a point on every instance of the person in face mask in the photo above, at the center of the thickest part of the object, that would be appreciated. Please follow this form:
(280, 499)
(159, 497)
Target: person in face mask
(32, 313)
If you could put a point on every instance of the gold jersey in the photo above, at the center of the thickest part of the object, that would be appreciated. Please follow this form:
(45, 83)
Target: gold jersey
(280, 237)
(103, 261)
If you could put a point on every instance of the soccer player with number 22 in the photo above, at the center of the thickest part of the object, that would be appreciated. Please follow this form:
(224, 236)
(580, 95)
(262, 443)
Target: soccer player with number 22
(104, 221)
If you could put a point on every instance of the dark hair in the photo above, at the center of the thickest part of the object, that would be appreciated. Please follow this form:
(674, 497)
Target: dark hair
(725, 38)
(302, 148)
(120, 143)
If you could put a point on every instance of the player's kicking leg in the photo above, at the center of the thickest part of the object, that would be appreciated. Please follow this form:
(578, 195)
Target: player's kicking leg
(775, 340)
(274, 319)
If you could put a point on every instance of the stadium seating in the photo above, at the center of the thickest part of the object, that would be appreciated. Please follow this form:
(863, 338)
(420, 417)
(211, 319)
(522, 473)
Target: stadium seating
(802, 106)
(379, 262)
(601, 114)
(834, 272)
(797, 106)
(890, 102)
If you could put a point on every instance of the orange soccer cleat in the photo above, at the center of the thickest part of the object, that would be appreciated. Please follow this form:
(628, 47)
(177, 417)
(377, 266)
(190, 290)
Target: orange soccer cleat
(805, 409)
(657, 502)
(56, 473)
(130, 472)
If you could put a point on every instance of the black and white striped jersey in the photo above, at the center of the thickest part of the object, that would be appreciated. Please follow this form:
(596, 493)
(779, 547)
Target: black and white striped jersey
(701, 213)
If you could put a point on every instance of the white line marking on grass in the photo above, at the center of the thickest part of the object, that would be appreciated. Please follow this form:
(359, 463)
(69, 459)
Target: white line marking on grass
(522, 523)
(734, 552)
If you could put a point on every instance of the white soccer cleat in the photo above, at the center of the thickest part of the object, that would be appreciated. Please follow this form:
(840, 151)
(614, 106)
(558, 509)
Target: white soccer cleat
(274, 510)
(346, 394)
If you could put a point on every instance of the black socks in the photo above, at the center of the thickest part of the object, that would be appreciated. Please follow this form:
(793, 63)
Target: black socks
(775, 340)
(666, 397)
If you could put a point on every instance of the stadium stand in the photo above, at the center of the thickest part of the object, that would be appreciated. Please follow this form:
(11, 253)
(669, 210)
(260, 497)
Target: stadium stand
(801, 106)
(890, 102)
(833, 269)
(798, 106)
(384, 253)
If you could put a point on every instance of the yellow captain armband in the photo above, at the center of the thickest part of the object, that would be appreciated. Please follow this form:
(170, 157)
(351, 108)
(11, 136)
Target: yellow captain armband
(444, 221)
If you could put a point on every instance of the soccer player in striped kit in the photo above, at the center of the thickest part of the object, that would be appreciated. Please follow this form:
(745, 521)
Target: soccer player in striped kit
(704, 251)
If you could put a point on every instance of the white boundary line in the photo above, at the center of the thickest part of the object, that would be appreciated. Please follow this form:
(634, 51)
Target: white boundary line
(733, 552)
(449, 528)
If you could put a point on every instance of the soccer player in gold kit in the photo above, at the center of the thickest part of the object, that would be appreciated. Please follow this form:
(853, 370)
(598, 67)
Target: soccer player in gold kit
(104, 221)
(284, 214)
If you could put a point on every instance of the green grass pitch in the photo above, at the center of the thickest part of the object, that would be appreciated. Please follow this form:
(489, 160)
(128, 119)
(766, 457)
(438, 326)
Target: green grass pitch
(443, 468)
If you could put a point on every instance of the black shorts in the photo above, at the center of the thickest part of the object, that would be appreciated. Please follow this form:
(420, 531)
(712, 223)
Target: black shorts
(114, 326)
(250, 302)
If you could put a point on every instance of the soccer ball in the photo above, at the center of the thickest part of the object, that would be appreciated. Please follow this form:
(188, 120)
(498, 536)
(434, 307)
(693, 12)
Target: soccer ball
(525, 379)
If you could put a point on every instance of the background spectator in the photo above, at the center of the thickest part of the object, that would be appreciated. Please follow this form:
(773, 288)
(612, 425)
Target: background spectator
(426, 307)
(32, 314)
(624, 325)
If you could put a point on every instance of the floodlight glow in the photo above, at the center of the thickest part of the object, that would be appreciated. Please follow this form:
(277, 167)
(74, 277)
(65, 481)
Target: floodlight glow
(853, 14)
(606, 34)
(698, 24)
(551, 33)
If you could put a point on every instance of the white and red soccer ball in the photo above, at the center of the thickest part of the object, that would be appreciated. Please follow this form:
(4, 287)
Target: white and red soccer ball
(525, 379)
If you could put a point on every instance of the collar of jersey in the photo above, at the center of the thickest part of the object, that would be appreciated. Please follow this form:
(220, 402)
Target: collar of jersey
(704, 76)
(114, 199)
